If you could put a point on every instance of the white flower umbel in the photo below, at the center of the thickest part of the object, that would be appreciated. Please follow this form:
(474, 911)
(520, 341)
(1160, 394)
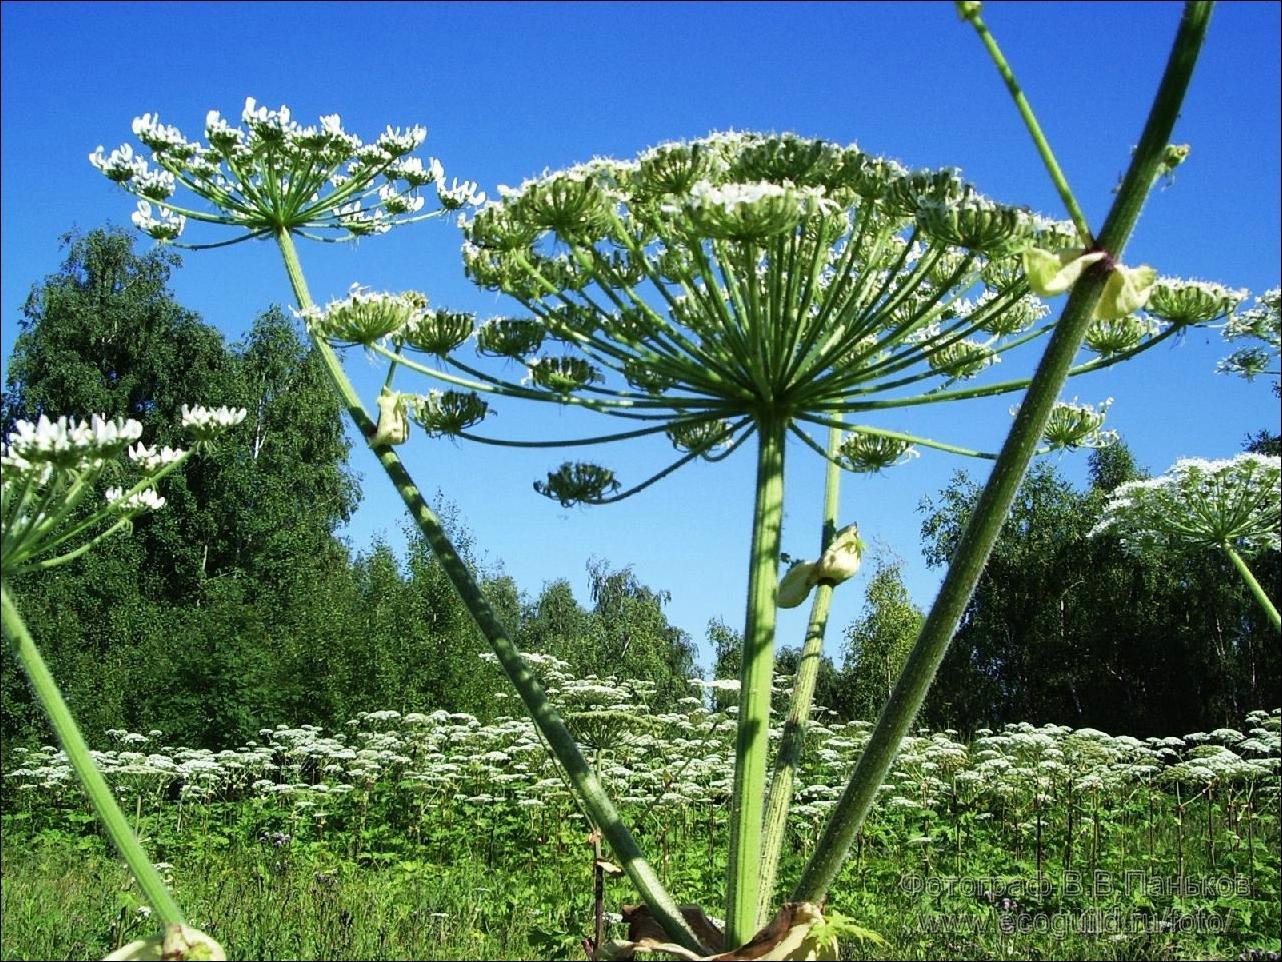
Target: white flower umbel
(273, 175)
(707, 280)
(363, 317)
(1231, 505)
(66, 443)
(1260, 324)
(1201, 504)
(166, 225)
(770, 284)
(47, 470)
(1072, 426)
(206, 424)
(132, 502)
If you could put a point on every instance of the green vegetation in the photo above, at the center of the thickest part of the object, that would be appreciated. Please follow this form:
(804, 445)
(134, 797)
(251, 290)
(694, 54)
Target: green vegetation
(435, 836)
(741, 284)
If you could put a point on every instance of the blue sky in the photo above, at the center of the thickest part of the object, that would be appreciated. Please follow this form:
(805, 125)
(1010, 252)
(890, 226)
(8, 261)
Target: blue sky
(508, 90)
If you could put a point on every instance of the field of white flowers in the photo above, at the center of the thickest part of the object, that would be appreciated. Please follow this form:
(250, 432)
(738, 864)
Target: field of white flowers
(1000, 827)
(680, 760)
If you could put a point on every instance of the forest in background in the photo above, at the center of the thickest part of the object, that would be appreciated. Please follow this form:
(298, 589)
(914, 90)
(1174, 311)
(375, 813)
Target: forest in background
(238, 607)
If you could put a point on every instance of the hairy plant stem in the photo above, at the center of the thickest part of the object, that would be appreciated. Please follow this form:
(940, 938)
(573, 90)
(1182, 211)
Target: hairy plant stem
(100, 795)
(582, 779)
(788, 756)
(999, 492)
(1256, 589)
(970, 12)
(755, 677)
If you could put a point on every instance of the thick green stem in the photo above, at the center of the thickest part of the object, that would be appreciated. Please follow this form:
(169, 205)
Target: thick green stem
(788, 757)
(1256, 588)
(970, 11)
(562, 744)
(995, 500)
(755, 677)
(95, 786)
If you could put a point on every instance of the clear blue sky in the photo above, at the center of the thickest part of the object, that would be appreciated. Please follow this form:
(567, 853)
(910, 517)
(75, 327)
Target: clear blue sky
(507, 90)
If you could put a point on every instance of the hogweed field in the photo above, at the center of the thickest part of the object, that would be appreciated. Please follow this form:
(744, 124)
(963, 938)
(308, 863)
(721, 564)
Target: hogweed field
(1117, 846)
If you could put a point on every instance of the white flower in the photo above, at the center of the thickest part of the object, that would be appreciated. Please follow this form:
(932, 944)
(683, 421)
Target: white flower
(70, 444)
(152, 459)
(166, 226)
(395, 202)
(207, 423)
(145, 500)
(460, 193)
(160, 137)
(121, 165)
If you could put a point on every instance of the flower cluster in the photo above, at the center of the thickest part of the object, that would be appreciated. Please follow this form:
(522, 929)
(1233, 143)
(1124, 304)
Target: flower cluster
(710, 286)
(273, 174)
(1260, 323)
(1233, 503)
(49, 469)
(206, 424)
(677, 761)
(364, 316)
(1072, 425)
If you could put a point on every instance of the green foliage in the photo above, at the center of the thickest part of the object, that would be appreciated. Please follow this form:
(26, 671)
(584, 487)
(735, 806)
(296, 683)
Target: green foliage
(624, 633)
(878, 642)
(176, 624)
(1070, 628)
(235, 606)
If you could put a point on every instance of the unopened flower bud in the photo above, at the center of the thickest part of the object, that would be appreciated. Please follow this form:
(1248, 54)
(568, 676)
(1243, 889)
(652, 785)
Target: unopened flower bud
(448, 412)
(796, 584)
(576, 482)
(393, 424)
(842, 559)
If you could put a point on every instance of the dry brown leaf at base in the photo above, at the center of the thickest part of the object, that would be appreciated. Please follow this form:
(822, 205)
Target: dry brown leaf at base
(788, 936)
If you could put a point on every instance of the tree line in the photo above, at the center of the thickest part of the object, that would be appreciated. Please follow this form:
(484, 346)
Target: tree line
(238, 607)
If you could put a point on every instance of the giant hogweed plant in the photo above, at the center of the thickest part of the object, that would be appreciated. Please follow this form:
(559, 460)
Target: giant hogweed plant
(739, 287)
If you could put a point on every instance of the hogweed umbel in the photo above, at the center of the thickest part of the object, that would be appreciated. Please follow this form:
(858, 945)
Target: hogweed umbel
(1231, 505)
(273, 178)
(271, 173)
(748, 284)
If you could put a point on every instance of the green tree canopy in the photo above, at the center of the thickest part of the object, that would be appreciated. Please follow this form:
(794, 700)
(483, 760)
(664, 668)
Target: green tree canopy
(878, 642)
(1071, 629)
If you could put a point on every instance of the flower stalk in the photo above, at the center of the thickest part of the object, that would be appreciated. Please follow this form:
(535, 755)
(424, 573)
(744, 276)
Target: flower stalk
(792, 742)
(995, 500)
(756, 676)
(1257, 590)
(970, 11)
